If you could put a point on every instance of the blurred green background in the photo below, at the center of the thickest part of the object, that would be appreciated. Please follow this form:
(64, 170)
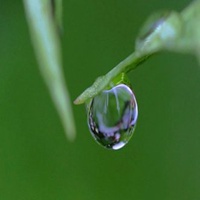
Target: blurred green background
(161, 162)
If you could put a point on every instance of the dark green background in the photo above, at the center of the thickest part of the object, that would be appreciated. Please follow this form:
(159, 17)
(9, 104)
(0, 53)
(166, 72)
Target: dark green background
(161, 162)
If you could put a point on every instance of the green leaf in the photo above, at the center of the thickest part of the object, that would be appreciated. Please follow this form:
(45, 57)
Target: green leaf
(171, 31)
(45, 39)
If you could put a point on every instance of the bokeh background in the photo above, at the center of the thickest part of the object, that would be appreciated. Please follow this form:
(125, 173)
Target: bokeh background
(161, 162)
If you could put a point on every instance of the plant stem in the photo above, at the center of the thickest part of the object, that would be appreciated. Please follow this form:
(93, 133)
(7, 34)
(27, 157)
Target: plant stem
(172, 31)
(130, 63)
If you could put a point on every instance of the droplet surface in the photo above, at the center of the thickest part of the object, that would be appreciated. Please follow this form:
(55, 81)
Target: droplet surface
(152, 23)
(112, 116)
(160, 31)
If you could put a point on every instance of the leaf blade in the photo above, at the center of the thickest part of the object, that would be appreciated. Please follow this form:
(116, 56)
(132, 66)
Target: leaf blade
(46, 44)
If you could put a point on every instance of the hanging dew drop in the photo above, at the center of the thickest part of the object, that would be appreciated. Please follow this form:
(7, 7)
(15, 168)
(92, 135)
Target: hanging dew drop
(112, 116)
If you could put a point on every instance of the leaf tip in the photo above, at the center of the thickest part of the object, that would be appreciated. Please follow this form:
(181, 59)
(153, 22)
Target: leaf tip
(78, 101)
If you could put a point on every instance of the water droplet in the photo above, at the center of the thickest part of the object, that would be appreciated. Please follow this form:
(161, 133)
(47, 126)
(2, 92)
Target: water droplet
(112, 116)
(159, 31)
(152, 23)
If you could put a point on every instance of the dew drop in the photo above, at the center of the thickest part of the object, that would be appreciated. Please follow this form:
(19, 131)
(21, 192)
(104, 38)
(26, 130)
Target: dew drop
(159, 31)
(112, 116)
(152, 23)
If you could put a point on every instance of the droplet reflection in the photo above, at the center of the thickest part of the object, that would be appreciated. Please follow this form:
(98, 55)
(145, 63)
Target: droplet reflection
(112, 116)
